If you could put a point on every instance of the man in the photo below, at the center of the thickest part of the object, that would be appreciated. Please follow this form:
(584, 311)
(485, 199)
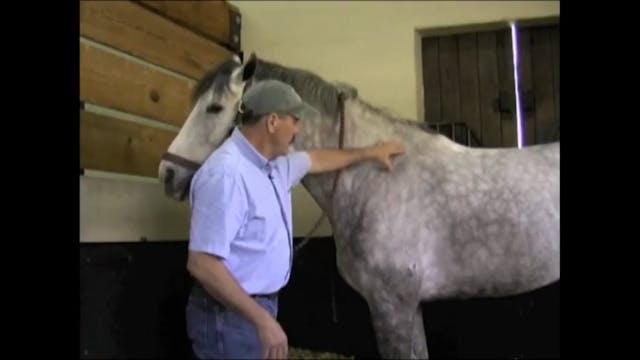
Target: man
(240, 246)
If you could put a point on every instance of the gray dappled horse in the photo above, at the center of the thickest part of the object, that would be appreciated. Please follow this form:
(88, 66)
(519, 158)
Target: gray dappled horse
(448, 221)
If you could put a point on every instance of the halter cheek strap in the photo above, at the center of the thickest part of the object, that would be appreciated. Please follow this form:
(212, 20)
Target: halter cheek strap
(192, 165)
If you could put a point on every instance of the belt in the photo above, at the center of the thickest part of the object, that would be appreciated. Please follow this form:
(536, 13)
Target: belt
(199, 289)
(265, 296)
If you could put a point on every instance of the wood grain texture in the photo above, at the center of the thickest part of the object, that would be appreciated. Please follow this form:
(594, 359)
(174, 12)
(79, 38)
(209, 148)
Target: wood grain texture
(489, 86)
(449, 78)
(542, 75)
(120, 146)
(113, 81)
(142, 33)
(526, 86)
(431, 80)
(210, 18)
(469, 90)
(508, 119)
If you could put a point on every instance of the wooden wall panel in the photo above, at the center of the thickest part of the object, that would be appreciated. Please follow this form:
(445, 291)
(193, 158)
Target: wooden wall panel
(508, 119)
(113, 81)
(542, 84)
(138, 66)
(431, 80)
(216, 20)
(449, 79)
(489, 85)
(526, 86)
(469, 78)
(555, 61)
(136, 30)
(121, 146)
(469, 90)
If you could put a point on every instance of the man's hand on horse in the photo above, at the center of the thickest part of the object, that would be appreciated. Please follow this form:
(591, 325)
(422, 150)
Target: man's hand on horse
(384, 151)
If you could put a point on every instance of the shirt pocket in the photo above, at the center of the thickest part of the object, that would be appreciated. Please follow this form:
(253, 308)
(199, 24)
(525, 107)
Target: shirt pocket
(254, 233)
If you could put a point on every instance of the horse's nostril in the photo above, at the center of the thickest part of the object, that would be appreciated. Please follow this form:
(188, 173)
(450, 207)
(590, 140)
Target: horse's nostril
(169, 176)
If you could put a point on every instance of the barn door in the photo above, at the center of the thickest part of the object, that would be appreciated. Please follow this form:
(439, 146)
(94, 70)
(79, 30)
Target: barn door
(468, 79)
(539, 73)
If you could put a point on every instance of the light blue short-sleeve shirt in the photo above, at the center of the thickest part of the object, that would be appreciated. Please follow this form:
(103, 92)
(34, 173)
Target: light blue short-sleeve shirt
(241, 212)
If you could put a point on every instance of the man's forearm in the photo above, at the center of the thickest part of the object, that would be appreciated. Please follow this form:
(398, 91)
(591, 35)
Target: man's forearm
(333, 159)
(219, 283)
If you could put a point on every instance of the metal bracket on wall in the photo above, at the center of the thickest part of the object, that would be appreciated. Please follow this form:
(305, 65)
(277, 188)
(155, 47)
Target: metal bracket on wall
(235, 24)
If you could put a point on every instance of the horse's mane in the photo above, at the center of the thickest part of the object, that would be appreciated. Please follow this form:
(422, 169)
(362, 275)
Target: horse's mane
(315, 90)
(218, 78)
(322, 94)
(318, 92)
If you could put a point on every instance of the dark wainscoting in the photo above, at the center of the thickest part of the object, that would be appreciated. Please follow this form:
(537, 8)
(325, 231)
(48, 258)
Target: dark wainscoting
(133, 297)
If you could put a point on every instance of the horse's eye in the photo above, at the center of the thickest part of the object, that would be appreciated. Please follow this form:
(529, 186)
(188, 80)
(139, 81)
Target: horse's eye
(214, 108)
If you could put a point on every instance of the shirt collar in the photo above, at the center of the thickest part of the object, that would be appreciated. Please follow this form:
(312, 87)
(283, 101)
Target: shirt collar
(250, 152)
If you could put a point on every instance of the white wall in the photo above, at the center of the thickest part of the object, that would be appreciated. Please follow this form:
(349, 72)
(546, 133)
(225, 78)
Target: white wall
(370, 44)
(117, 208)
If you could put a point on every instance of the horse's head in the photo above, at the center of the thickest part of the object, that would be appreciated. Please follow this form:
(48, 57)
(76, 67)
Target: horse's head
(216, 99)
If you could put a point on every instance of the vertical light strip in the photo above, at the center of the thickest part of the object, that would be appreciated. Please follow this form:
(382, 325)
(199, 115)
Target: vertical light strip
(516, 82)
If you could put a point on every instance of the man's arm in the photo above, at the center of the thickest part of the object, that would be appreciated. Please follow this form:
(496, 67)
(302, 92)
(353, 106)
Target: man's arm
(333, 159)
(219, 283)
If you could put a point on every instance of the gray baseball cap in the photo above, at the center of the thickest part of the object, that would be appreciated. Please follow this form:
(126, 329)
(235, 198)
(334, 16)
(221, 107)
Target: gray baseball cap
(267, 96)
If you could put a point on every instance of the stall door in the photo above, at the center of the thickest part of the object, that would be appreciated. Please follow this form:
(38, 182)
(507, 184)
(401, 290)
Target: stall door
(469, 79)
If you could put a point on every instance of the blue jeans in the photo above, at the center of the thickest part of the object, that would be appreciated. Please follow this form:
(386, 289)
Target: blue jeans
(220, 333)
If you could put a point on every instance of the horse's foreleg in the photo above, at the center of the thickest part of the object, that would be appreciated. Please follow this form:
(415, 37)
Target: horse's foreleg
(399, 330)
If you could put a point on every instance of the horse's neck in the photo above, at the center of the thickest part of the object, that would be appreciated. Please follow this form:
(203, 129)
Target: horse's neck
(363, 126)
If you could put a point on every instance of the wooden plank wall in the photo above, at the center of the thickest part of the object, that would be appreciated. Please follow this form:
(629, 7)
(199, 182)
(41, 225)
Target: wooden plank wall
(139, 61)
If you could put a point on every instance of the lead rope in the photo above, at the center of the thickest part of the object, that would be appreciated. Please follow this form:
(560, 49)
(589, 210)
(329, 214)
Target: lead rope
(336, 177)
(324, 214)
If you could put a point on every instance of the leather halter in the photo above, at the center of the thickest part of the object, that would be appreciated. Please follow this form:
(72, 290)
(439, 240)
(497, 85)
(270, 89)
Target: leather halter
(195, 166)
(189, 164)
(179, 160)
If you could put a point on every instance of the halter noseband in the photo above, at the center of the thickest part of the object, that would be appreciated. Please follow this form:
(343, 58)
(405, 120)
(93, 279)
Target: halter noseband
(179, 160)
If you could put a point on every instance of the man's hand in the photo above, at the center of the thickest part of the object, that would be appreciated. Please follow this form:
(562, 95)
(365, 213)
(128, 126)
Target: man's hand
(220, 284)
(384, 151)
(273, 338)
(333, 159)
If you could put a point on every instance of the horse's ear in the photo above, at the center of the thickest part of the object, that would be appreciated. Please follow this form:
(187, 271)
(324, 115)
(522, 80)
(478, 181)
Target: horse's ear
(242, 74)
(250, 67)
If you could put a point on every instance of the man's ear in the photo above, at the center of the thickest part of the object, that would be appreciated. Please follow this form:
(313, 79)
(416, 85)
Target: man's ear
(271, 123)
